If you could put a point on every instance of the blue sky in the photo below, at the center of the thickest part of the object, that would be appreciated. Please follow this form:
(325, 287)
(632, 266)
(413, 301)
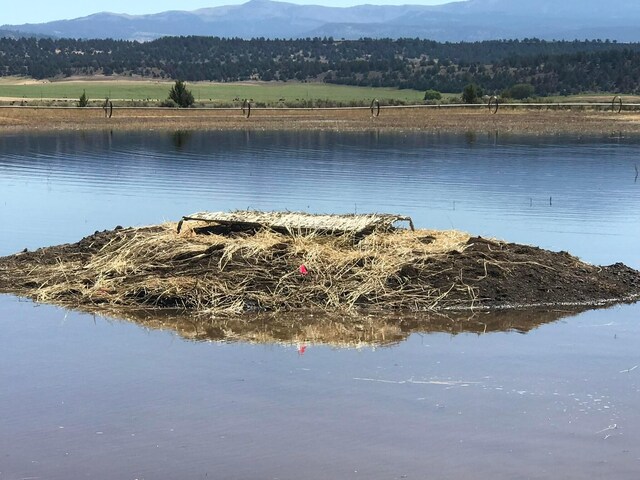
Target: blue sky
(37, 11)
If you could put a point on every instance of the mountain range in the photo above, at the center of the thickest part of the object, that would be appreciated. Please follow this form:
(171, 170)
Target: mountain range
(470, 20)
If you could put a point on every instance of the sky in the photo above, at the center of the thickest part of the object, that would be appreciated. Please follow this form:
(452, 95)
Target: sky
(38, 11)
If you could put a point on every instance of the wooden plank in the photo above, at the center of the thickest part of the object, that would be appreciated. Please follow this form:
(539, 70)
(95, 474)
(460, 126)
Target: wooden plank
(293, 221)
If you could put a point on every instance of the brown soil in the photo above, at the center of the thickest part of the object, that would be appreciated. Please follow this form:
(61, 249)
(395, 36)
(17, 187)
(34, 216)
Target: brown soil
(538, 121)
(510, 274)
(156, 268)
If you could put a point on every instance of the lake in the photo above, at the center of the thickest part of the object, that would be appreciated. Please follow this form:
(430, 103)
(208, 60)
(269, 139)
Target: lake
(537, 395)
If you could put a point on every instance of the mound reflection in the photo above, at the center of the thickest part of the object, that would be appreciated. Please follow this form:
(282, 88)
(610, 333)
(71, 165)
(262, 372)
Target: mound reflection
(348, 330)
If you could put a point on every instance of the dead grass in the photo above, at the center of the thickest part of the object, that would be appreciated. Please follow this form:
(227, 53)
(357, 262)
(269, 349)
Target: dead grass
(287, 222)
(157, 268)
(228, 272)
(539, 121)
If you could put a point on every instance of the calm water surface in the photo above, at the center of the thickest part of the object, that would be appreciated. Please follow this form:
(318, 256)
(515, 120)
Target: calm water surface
(85, 397)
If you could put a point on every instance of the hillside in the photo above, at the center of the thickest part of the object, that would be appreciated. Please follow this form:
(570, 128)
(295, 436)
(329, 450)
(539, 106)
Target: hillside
(549, 67)
(471, 20)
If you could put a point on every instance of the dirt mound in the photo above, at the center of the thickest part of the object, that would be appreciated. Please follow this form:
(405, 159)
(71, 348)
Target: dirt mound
(510, 274)
(424, 270)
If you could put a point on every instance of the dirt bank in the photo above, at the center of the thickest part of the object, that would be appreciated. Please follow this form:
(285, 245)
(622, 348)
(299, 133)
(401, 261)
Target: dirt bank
(536, 121)
(424, 270)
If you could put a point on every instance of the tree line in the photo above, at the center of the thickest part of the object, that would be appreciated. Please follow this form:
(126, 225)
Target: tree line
(550, 67)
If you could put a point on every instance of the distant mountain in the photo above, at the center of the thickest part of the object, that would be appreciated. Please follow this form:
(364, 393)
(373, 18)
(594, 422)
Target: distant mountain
(470, 20)
(18, 34)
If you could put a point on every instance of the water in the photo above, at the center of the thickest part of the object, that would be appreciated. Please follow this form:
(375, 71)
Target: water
(86, 397)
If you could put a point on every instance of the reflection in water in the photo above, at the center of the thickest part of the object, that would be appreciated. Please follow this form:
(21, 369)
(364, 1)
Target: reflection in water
(471, 138)
(180, 138)
(81, 398)
(347, 330)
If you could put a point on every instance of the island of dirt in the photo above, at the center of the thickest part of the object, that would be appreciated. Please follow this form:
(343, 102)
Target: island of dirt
(227, 272)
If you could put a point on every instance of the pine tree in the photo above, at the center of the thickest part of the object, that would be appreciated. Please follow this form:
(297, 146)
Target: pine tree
(84, 100)
(180, 95)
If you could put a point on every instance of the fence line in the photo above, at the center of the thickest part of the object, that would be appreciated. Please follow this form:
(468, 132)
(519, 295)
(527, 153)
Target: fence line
(607, 105)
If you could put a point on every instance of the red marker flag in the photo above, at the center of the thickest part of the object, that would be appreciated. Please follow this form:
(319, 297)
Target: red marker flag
(303, 270)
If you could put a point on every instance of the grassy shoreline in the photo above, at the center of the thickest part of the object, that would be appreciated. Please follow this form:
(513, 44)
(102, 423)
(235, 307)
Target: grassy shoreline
(537, 121)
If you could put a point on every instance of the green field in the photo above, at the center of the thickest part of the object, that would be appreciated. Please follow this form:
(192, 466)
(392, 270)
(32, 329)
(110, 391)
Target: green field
(204, 92)
(148, 92)
(592, 98)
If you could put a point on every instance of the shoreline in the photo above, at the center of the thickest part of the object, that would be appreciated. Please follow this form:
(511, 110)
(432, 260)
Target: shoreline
(533, 121)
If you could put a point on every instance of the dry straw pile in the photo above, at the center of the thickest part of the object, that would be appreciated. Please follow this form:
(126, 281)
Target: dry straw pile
(301, 222)
(336, 265)
(156, 267)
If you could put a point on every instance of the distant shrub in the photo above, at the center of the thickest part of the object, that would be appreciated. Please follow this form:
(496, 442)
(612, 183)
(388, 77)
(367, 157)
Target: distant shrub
(471, 93)
(168, 103)
(520, 91)
(432, 96)
(83, 101)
